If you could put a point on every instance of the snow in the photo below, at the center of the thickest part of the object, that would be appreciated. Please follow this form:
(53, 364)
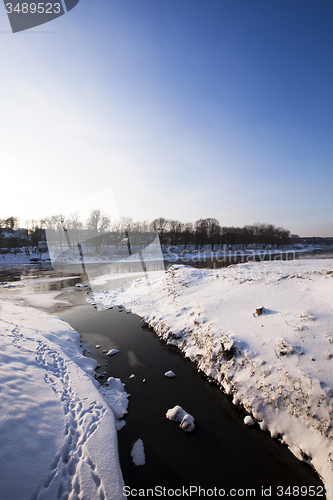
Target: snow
(21, 258)
(177, 414)
(112, 352)
(138, 454)
(248, 420)
(169, 374)
(47, 300)
(116, 397)
(58, 437)
(277, 365)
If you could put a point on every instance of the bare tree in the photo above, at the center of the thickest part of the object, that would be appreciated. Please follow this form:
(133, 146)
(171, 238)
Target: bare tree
(98, 222)
(160, 225)
(74, 222)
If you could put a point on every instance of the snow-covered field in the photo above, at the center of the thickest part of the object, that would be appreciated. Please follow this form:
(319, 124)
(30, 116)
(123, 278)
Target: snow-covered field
(58, 437)
(21, 258)
(277, 365)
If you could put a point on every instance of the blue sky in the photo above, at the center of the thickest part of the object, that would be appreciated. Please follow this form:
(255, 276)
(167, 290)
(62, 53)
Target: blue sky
(185, 108)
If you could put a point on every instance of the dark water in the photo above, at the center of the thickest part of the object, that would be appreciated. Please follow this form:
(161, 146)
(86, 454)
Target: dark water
(221, 452)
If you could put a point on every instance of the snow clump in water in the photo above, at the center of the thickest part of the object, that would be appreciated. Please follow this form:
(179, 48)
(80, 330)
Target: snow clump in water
(177, 414)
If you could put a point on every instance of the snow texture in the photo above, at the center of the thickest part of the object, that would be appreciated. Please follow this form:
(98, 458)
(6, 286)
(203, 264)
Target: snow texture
(58, 438)
(277, 365)
(177, 414)
(138, 453)
(116, 397)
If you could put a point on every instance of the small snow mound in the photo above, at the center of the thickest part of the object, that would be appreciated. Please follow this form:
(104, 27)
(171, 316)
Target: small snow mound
(115, 396)
(97, 346)
(248, 420)
(170, 374)
(177, 414)
(138, 453)
(284, 348)
(120, 424)
(132, 376)
(112, 352)
(263, 425)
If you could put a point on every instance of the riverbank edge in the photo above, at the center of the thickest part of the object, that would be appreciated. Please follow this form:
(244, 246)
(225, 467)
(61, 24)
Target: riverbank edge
(308, 443)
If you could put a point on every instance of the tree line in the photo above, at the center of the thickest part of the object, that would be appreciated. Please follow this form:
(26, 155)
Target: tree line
(209, 232)
(202, 233)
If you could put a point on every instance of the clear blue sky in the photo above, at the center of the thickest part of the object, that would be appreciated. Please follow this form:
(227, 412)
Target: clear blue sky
(185, 108)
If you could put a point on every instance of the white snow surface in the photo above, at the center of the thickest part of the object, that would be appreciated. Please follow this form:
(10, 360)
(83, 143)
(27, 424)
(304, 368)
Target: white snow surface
(57, 434)
(116, 397)
(138, 453)
(177, 414)
(248, 420)
(45, 300)
(279, 365)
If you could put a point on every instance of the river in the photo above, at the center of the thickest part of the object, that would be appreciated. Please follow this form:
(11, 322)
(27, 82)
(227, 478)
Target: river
(221, 452)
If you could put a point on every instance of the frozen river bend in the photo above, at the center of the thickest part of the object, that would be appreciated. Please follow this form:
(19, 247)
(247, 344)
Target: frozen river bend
(278, 365)
(58, 438)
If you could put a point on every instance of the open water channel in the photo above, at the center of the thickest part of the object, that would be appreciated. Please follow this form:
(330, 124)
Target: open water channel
(220, 453)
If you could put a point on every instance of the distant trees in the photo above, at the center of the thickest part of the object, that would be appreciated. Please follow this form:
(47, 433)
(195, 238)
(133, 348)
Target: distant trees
(98, 222)
(209, 232)
(98, 230)
(160, 225)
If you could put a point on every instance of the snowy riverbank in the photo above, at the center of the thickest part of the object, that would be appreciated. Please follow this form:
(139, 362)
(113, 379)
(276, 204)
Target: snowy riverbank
(58, 436)
(277, 365)
(112, 254)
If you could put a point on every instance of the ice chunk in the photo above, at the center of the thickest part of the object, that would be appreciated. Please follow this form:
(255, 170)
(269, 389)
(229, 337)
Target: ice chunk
(138, 453)
(177, 414)
(248, 420)
(170, 374)
(112, 352)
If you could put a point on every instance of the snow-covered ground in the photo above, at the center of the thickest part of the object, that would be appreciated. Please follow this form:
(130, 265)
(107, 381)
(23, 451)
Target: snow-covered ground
(58, 437)
(277, 365)
(22, 258)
